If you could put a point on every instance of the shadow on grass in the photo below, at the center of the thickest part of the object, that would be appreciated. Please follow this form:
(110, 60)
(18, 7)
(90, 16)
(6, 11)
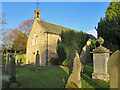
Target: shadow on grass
(88, 71)
(90, 81)
(87, 76)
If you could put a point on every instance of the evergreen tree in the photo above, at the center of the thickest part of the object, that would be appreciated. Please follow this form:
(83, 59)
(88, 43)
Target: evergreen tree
(109, 27)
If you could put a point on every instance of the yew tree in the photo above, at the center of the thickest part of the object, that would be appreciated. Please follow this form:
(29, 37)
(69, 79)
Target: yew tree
(109, 27)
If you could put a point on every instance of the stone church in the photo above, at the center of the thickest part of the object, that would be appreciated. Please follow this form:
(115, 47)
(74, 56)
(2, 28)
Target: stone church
(43, 38)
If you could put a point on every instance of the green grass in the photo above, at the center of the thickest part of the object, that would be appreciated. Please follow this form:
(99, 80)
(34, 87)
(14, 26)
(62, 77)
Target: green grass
(45, 78)
(52, 77)
(88, 82)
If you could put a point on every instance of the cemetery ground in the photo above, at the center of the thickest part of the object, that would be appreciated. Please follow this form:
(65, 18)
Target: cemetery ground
(50, 77)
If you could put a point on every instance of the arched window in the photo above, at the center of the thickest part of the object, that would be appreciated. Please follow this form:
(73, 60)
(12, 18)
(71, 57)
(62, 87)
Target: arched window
(34, 40)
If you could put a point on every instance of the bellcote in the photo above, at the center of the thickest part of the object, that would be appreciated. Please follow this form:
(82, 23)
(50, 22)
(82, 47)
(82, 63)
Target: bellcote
(37, 14)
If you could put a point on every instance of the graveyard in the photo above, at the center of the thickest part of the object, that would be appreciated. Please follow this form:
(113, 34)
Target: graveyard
(55, 77)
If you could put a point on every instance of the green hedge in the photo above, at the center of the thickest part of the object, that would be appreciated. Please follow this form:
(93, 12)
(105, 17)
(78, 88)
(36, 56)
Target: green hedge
(68, 39)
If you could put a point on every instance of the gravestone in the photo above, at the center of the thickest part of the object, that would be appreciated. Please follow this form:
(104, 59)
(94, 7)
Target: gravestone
(12, 78)
(75, 47)
(17, 63)
(74, 78)
(100, 58)
(114, 69)
(20, 61)
(85, 56)
(16, 57)
(6, 56)
(7, 66)
(37, 62)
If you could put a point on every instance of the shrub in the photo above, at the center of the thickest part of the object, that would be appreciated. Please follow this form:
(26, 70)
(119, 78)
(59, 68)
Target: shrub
(61, 54)
(94, 44)
(54, 61)
(68, 39)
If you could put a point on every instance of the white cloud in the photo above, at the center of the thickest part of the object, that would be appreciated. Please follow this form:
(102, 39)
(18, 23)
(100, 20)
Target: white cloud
(93, 32)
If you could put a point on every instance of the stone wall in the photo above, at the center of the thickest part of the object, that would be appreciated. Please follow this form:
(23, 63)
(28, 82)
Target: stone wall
(52, 45)
(40, 46)
(43, 40)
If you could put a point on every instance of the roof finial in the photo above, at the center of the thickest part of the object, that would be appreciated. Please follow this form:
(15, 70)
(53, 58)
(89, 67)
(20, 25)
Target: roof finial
(37, 4)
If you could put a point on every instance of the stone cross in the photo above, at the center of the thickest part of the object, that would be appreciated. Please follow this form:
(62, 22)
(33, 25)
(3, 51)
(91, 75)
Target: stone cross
(100, 58)
(114, 69)
(37, 62)
(75, 48)
(75, 75)
(12, 69)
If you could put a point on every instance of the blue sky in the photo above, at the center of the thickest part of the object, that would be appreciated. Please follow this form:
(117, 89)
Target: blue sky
(81, 16)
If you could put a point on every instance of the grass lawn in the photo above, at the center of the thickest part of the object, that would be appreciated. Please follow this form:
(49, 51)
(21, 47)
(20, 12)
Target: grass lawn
(87, 82)
(52, 77)
(45, 78)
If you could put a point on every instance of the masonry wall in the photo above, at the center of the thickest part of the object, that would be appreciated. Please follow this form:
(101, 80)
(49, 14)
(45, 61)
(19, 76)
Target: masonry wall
(52, 46)
(44, 40)
(39, 46)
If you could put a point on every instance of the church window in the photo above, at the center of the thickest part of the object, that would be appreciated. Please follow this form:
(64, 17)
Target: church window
(37, 14)
(33, 40)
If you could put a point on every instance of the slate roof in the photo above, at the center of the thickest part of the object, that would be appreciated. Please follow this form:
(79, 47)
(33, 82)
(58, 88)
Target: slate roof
(56, 29)
(52, 28)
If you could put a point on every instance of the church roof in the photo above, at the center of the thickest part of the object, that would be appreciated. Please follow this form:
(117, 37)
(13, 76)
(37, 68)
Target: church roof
(56, 29)
(52, 28)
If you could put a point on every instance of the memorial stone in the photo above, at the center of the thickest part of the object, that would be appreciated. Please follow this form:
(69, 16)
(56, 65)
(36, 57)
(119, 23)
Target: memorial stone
(85, 56)
(114, 69)
(37, 62)
(7, 66)
(100, 59)
(74, 80)
(75, 47)
(12, 69)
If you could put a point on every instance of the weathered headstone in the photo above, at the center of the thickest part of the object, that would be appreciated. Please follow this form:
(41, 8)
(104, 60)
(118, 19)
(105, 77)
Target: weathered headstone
(17, 63)
(16, 57)
(74, 78)
(20, 61)
(100, 58)
(85, 56)
(114, 69)
(37, 62)
(75, 47)
(7, 66)
(6, 56)
(28, 62)
(12, 72)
